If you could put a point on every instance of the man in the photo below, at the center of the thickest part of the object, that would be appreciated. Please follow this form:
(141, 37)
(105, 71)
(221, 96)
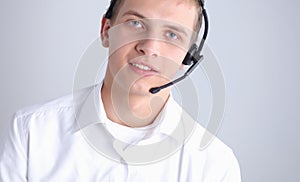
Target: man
(131, 135)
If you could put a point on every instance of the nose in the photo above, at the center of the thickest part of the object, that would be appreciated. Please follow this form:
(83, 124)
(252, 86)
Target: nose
(149, 47)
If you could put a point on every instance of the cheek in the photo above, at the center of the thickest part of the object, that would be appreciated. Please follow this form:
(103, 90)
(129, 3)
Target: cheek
(178, 55)
(118, 59)
(173, 61)
(175, 53)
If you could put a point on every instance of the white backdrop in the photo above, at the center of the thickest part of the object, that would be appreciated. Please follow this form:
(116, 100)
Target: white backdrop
(255, 41)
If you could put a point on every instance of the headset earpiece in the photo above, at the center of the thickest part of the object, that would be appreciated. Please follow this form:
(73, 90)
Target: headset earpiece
(190, 55)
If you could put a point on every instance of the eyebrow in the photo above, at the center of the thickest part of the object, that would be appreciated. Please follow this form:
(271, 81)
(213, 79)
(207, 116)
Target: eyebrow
(173, 27)
(134, 13)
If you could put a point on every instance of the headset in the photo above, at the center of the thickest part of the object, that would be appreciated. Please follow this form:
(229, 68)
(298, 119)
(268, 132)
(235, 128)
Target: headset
(193, 57)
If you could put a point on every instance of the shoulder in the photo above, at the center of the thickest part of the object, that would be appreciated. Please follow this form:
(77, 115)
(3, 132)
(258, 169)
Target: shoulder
(208, 152)
(64, 102)
(220, 162)
(202, 142)
(61, 103)
(56, 111)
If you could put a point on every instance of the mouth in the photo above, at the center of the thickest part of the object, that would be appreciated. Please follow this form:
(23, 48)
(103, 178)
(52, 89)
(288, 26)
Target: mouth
(143, 68)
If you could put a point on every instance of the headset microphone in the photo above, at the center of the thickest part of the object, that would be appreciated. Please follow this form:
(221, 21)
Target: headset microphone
(193, 56)
(197, 58)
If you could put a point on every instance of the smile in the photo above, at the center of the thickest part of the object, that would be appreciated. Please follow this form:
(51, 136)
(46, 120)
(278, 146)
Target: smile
(142, 67)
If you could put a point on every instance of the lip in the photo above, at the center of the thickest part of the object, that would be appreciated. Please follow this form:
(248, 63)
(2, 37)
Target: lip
(142, 72)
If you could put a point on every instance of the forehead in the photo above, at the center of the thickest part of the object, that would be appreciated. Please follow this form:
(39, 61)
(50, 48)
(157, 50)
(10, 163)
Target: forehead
(183, 12)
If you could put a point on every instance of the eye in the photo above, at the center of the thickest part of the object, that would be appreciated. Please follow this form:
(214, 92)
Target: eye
(135, 23)
(172, 35)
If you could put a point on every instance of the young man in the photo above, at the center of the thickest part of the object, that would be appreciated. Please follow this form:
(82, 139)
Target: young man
(131, 135)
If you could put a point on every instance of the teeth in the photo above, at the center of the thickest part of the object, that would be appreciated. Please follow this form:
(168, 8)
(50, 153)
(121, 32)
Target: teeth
(143, 67)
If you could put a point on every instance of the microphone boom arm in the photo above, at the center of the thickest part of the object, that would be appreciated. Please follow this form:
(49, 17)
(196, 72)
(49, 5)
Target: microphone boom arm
(187, 73)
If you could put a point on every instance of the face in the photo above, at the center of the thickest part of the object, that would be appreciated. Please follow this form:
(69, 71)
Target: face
(147, 42)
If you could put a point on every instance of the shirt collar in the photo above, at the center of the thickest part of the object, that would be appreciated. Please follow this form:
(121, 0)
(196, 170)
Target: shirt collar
(174, 126)
(90, 111)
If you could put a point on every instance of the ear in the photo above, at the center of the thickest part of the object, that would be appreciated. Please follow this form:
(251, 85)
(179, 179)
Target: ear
(105, 26)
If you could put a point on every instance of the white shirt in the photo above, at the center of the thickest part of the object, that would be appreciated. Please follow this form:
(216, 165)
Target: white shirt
(71, 139)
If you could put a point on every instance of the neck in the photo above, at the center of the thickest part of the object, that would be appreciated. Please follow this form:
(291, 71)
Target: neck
(129, 109)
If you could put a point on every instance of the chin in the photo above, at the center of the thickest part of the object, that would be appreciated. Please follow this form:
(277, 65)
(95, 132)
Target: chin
(140, 89)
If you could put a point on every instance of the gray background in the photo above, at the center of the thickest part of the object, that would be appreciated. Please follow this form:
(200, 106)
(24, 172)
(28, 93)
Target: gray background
(255, 41)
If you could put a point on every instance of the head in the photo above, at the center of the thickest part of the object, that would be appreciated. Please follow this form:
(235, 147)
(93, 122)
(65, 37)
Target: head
(139, 61)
